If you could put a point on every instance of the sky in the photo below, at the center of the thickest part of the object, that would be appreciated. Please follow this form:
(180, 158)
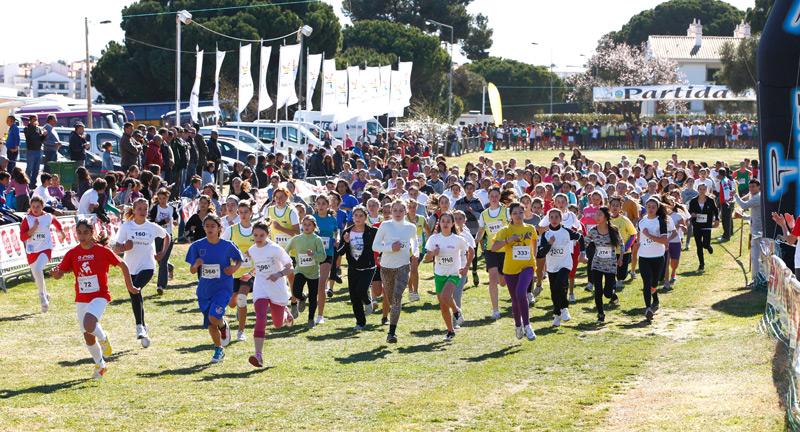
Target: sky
(567, 28)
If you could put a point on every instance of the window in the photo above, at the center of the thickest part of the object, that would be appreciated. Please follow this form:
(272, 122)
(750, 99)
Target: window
(102, 137)
(290, 134)
(266, 134)
(62, 86)
(710, 72)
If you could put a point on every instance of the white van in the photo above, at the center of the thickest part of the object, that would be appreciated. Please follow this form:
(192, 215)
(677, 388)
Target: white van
(237, 134)
(96, 138)
(338, 130)
(284, 137)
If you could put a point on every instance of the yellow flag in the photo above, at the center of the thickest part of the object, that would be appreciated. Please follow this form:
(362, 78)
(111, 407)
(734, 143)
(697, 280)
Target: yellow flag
(495, 104)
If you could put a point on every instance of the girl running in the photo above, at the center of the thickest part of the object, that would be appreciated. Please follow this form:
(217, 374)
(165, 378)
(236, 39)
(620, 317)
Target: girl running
(463, 231)
(194, 226)
(137, 240)
(35, 232)
(603, 243)
(328, 231)
(492, 220)
(627, 234)
(231, 215)
(395, 240)
(656, 230)
(214, 260)
(569, 221)
(241, 235)
(89, 262)
(356, 245)
(556, 246)
(165, 215)
(705, 217)
(416, 257)
(446, 247)
(679, 216)
(518, 241)
(308, 251)
(270, 292)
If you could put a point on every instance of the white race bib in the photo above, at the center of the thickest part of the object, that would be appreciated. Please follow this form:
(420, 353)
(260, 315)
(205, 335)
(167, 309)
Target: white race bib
(265, 268)
(210, 271)
(494, 227)
(558, 252)
(305, 260)
(282, 239)
(246, 263)
(356, 246)
(88, 284)
(521, 253)
(604, 252)
(326, 242)
(702, 218)
(445, 261)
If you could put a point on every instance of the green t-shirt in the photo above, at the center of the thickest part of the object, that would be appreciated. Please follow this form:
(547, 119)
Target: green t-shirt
(742, 180)
(298, 247)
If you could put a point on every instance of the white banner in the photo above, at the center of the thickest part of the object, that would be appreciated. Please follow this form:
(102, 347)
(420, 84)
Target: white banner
(685, 92)
(264, 101)
(245, 78)
(371, 83)
(194, 98)
(312, 75)
(328, 96)
(220, 58)
(400, 89)
(287, 74)
(341, 99)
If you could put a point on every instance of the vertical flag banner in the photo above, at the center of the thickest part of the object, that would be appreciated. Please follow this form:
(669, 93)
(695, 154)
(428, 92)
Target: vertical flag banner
(342, 92)
(495, 104)
(328, 98)
(264, 101)
(220, 58)
(371, 88)
(354, 92)
(312, 75)
(288, 63)
(396, 95)
(382, 102)
(405, 70)
(245, 78)
(194, 98)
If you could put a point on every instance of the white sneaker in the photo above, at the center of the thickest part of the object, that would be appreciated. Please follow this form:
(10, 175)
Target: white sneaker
(99, 371)
(518, 332)
(368, 308)
(240, 336)
(460, 319)
(496, 315)
(529, 333)
(140, 332)
(320, 320)
(531, 298)
(225, 333)
(572, 297)
(412, 296)
(565, 315)
(45, 302)
(632, 274)
(589, 287)
(144, 337)
(557, 321)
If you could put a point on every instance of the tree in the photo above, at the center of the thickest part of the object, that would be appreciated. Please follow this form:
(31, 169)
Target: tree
(739, 71)
(620, 65)
(757, 15)
(413, 12)
(673, 17)
(467, 83)
(476, 45)
(524, 88)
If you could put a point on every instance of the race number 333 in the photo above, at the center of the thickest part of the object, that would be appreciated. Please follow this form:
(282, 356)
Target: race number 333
(521, 253)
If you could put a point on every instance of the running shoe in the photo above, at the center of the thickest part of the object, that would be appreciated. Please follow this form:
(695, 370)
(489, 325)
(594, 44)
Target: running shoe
(710, 250)
(320, 320)
(459, 320)
(589, 287)
(618, 285)
(288, 319)
(701, 269)
(565, 315)
(412, 296)
(329, 293)
(310, 325)
(256, 360)
(496, 315)
(45, 302)
(529, 333)
(99, 372)
(302, 305)
(219, 355)
(531, 298)
(160, 290)
(171, 273)
(648, 314)
(368, 309)
(390, 338)
(225, 333)
(666, 286)
(537, 290)
(145, 339)
(384, 320)
(632, 274)
(295, 311)
(475, 280)
(518, 332)
(556, 320)
(572, 297)
(614, 300)
(673, 280)
(240, 336)
(655, 306)
(106, 347)
(359, 328)
(601, 317)
(449, 336)
(140, 332)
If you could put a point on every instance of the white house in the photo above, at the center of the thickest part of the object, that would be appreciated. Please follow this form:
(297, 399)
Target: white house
(697, 56)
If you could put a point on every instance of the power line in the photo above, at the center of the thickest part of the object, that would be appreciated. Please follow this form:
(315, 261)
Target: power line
(222, 8)
(169, 49)
(244, 40)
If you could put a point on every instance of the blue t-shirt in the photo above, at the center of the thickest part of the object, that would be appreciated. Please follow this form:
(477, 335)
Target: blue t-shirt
(341, 219)
(349, 201)
(326, 227)
(211, 278)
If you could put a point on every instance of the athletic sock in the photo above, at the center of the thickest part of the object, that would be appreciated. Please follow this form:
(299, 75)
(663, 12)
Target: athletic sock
(97, 354)
(392, 328)
(99, 333)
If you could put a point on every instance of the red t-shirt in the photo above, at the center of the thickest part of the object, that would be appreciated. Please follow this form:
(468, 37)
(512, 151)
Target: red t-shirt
(796, 229)
(90, 267)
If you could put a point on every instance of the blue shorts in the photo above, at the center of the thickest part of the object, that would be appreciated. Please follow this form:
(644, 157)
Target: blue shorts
(214, 306)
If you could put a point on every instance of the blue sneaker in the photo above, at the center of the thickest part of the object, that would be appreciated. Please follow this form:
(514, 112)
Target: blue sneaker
(219, 355)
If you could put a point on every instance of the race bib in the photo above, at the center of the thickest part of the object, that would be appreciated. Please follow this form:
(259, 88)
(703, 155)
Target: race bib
(742, 181)
(494, 227)
(88, 284)
(326, 242)
(558, 252)
(282, 239)
(39, 237)
(305, 260)
(210, 271)
(521, 253)
(356, 247)
(702, 218)
(265, 268)
(604, 252)
(445, 261)
(246, 263)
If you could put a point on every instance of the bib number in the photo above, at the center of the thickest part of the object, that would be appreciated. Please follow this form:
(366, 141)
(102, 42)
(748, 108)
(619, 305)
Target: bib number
(521, 253)
(604, 252)
(210, 271)
(445, 260)
(282, 239)
(494, 227)
(305, 260)
(326, 242)
(702, 218)
(558, 252)
(246, 263)
(88, 284)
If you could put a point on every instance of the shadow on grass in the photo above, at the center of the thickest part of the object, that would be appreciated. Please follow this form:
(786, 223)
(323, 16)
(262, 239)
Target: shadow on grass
(181, 301)
(371, 355)
(195, 349)
(235, 375)
(590, 325)
(748, 303)
(42, 389)
(88, 360)
(22, 317)
(189, 370)
(191, 327)
(126, 300)
(426, 333)
(428, 347)
(544, 331)
(285, 332)
(636, 325)
(500, 353)
(781, 370)
(340, 333)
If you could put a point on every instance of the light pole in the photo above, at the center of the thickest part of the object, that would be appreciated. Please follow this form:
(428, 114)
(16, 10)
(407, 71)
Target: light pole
(303, 32)
(89, 123)
(450, 85)
(183, 16)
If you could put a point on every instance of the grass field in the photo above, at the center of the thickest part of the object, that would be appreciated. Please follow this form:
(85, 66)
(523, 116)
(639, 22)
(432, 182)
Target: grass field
(701, 365)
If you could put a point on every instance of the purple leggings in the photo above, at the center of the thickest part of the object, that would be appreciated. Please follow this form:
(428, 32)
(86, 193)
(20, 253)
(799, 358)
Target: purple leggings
(518, 289)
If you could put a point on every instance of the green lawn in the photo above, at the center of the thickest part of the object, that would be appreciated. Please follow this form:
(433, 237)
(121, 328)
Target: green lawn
(700, 366)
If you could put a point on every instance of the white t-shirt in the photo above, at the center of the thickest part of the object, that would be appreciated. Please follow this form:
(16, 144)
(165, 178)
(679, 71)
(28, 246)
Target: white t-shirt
(449, 260)
(269, 260)
(568, 220)
(647, 247)
(90, 197)
(42, 238)
(356, 243)
(470, 242)
(142, 256)
(676, 218)
(560, 254)
(164, 214)
(226, 225)
(42, 192)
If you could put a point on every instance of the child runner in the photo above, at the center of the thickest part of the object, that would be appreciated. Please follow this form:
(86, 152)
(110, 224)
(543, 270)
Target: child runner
(492, 220)
(556, 246)
(38, 238)
(270, 292)
(446, 247)
(570, 222)
(214, 260)
(627, 234)
(165, 215)
(356, 245)
(328, 231)
(241, 235)
(137, 239)
(705, 217)
(231, 212)
(656, 229)
(308, 252)
(284, 224)
(518, 241)
(677, 212)
(603, 241)
(422, 231)
(89, 262)
(461, 220)
(395, 240)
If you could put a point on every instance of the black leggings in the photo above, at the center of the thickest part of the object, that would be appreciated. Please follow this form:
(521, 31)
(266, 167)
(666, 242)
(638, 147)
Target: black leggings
(650, 269)
(559, 283)
(139, 280)
(702, 240)
(313, 287)
(358, 283)
(622, 271)
(607, 289)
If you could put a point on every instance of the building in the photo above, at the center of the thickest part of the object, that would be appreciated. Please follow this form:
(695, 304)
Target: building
(697, 56)
(41, 79)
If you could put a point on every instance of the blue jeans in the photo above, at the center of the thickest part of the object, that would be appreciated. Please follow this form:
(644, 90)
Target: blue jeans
(49, 156)
(33, 159)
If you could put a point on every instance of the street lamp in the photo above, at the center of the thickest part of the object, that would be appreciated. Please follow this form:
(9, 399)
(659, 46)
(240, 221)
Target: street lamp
(303, 32)
(89, 123)
(182, 17)
(450, 85)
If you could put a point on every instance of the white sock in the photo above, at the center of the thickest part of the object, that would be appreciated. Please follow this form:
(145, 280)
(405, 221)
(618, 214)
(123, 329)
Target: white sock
(99, 333)
(97, 354)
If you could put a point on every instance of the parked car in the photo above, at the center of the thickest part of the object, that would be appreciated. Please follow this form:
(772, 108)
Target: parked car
(238, 134)
(96, 138)
(285, 137)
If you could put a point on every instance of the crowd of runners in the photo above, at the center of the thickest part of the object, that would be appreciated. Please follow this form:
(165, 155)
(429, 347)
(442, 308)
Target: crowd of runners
(524, 225)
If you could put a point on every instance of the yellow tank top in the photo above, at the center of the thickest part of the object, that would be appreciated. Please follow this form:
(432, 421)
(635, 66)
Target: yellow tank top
(243, 243)
(285, 220)
(493, 224)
